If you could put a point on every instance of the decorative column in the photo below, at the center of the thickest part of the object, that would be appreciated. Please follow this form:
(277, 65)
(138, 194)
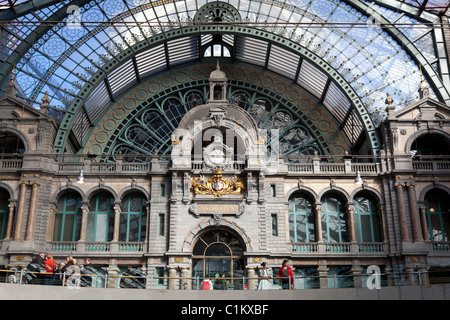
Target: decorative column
(185, 274)
(172, 277)
(323, 276)
(251, 274)
(402, 212)
(32, 212)
(20, 212)
(351, 223)
(116, 222)
(84, 217)
(423, 218)
(9, 227)
(384, 225)
(51, 222)
(415, 220)
(318, 210)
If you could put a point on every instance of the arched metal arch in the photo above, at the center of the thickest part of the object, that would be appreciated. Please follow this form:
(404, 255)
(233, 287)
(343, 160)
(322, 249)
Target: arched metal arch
(362, 7)
(290, 45)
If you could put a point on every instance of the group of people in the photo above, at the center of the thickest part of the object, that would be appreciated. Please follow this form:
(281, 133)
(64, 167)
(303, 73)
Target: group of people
(44, 268)
(284, 272)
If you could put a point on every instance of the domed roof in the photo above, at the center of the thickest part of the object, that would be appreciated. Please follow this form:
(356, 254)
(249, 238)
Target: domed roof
(218, 75)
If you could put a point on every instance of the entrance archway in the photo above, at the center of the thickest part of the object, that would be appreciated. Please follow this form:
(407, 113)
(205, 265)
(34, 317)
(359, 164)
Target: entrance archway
(216, 252)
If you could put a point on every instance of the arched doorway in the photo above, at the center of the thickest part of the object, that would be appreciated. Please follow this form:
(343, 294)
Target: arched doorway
(218, 251)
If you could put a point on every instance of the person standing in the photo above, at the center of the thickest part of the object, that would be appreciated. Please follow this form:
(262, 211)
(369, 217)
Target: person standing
(50, 268)
(287, 276)
(264, 283)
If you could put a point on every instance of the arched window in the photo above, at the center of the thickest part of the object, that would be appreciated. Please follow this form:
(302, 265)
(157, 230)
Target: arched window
(438, 215)
(133, 218)
(367, 220)
(100, 224)
(301, 219)
(4, 201)
(333, 217)
(10, 146)
(68, 218)
(216, 252)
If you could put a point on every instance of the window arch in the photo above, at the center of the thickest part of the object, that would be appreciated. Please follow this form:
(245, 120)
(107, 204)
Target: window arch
(4, 201)
(334, 219)
(301, 219)
(366, 219)
(68, 217)
(133, 218)
(438, 216)
(10, 145)
(100, 222)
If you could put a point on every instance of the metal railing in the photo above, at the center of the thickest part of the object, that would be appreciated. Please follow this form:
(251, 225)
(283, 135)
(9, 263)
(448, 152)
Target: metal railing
(77, 279)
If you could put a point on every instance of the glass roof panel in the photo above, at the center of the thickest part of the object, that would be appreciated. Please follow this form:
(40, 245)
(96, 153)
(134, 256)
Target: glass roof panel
(372, 62)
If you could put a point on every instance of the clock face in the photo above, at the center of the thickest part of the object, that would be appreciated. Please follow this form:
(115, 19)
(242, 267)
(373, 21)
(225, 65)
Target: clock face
(217, 155)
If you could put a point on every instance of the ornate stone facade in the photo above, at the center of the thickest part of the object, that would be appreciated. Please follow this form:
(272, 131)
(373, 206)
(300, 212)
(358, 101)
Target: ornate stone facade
(220, 189)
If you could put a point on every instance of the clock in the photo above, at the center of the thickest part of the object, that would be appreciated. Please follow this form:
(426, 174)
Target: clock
(217, 155)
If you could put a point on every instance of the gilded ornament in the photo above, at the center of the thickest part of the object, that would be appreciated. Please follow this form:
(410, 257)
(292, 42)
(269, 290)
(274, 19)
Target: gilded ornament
(217, 185)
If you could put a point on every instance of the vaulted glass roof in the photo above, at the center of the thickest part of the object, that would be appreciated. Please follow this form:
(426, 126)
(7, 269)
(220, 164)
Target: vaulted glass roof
(348, 54)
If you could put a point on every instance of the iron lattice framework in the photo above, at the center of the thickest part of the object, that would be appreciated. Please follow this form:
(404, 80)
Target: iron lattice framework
(348, 54)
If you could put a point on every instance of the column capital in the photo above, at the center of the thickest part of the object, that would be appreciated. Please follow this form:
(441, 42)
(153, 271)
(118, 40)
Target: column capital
(410, 185)
(399, 185)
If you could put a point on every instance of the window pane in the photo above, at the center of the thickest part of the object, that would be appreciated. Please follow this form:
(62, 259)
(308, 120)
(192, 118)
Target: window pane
(311, 226)
(123, 227)
(101, 227)
(435, 228)
(68, 228)
(333, 228)
(134, 227)
(291, 228)
(301, 228)
(366, 228)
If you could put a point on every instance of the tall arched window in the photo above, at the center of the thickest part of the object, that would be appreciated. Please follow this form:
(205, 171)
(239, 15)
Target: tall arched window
(133, 218)
(4, 201)
(367, 219)
(100, 224)
(68, 218)
(334, 222)
(301, 219)
(437, 204)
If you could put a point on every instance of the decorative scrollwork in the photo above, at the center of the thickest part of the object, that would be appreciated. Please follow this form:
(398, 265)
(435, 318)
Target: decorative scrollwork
(217, 185)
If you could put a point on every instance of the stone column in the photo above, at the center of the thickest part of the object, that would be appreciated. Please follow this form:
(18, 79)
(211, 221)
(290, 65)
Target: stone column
(32, 212)
(423, 218)
(113, 280)
(402, 212)
(318, 211)
(251, 274)
(9, 227)
(185, 273)
(84, 217)
(351, 223)
(415, 220)
(51, 223)
(323, 276)
(384, 225)
(357, 276)
(116, 222)
(172, 277)
(20, 212)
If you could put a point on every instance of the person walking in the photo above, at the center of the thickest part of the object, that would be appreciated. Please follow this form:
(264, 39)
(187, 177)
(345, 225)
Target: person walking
(285, 272)
(264, 283)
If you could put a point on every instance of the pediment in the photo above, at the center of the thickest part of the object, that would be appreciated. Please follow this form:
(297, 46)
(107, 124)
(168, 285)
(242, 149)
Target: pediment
(426, 109)
(11, 107)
